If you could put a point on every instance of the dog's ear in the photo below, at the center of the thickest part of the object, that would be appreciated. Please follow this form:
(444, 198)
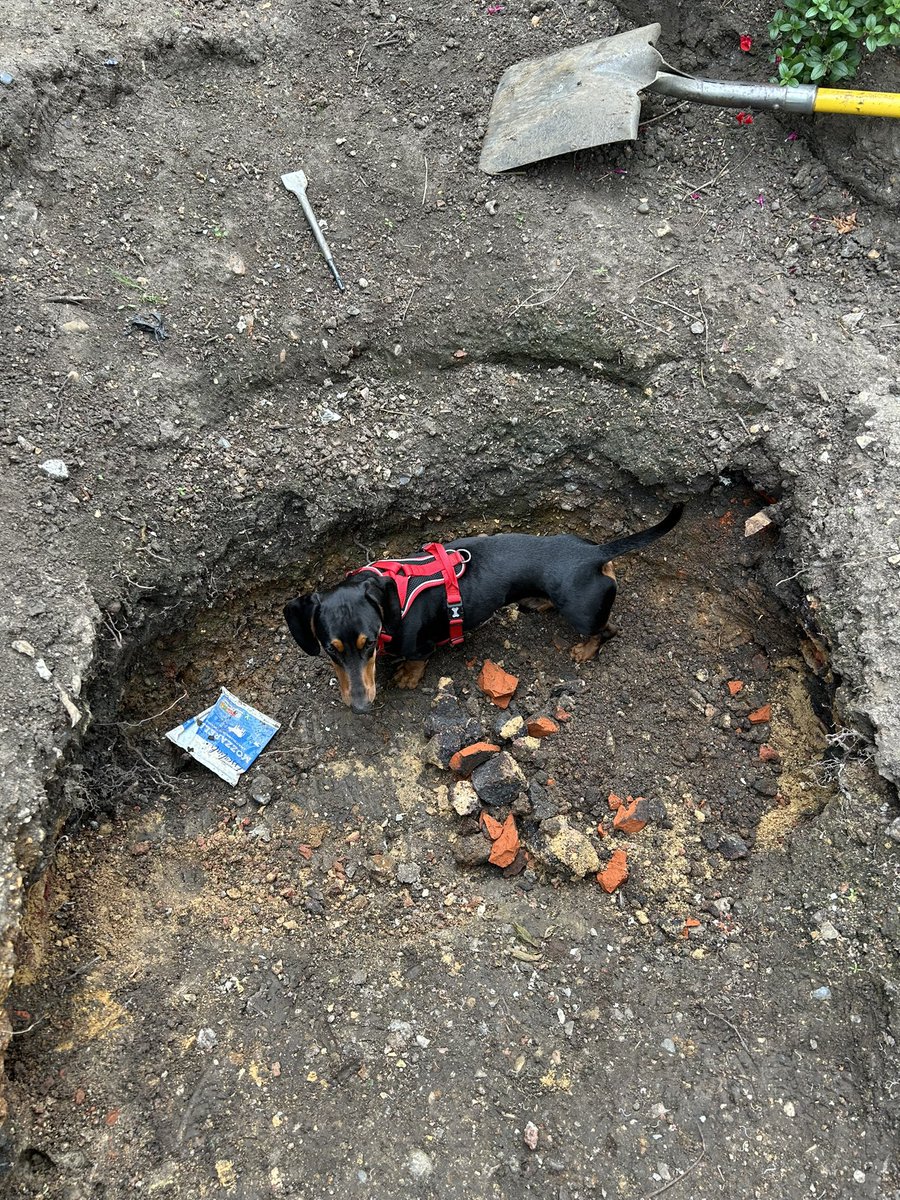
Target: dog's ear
(299, 615)
(382, 592)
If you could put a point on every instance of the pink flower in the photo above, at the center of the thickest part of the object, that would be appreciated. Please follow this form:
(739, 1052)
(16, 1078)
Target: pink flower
(743, 118)
(761, 200)
(746, 43)
(495, 9)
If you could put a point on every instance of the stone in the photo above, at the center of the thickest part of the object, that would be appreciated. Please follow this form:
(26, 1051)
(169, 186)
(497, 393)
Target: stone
(893, 830)
(261, 789)
(55, 468)
(499, 780)
(419, 1165)
(757, 523)
(440, 749)
(821, 993)
(731, 846)
(408, 872)
(507, 728)
(524, 749)
(77, 325)
(566, 847)
(464, 799)
(643, 206)
(543, 806)
(471, 851)
(760, 716)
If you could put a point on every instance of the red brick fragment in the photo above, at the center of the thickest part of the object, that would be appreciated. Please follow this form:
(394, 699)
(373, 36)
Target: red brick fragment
(631, 817)
(497, 684)
(466, 760)
(615, 801)
(562, 715)
(735, 686)
(768, 753)
(615, 873)
(542, 727)
(759, 716)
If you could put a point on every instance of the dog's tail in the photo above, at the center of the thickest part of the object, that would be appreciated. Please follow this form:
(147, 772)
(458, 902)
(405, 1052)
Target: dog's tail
(637, 541)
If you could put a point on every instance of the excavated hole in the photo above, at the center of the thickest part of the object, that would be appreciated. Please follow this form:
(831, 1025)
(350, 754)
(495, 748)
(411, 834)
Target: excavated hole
(170, 891)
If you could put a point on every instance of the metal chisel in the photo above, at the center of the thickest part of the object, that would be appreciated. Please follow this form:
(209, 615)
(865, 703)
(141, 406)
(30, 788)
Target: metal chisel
(296, 182)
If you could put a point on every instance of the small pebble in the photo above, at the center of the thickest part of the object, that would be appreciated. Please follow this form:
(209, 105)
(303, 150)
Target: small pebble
(55, 468)
(789, 1110)
(668, 1045)
(822, 993)
(697, 327)
(6, 79)
(643, 205)
(419, 1165)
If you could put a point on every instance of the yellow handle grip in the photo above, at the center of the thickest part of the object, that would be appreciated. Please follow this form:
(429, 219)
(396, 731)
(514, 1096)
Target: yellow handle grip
(857, 104)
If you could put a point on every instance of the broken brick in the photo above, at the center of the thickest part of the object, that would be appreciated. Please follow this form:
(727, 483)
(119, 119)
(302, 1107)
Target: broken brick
(615, 873)
(632, 816)
(466, 760)
(497, 684)
(768, 753)
(615, 801)
(505, 846)
(542, 727)
(759, 716)
(562, 715)
(735, 686)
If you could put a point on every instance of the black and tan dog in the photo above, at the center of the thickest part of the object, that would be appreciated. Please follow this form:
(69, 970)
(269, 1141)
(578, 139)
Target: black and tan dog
(363, 612)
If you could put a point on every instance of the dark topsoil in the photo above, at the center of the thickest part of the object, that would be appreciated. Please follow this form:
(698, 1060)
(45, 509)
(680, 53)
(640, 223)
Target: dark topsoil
(315, 997)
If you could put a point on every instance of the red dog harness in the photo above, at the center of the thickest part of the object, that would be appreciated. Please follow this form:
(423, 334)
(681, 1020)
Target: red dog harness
(434, 567)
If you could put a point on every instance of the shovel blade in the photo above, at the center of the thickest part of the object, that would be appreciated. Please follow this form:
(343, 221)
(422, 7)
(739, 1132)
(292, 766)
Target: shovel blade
(578, 98)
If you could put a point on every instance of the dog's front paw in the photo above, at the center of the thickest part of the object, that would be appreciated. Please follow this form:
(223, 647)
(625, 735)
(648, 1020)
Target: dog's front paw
(584, 651)
(409, 674)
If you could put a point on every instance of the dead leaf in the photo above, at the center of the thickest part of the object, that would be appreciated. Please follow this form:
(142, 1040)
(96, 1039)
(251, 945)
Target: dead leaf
(506, 846)
(525, 935)
(845, 222)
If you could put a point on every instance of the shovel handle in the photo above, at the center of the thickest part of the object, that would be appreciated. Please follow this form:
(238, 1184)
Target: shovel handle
(857, 104)
(805, 98)
(725, 94)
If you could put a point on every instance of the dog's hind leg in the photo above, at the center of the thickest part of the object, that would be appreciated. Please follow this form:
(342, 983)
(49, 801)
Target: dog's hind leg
(596, 628)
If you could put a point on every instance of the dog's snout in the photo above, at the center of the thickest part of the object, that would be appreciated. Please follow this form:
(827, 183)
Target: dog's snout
(361, 706)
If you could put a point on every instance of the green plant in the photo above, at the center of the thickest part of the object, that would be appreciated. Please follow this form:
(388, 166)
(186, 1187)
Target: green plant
(821, 41)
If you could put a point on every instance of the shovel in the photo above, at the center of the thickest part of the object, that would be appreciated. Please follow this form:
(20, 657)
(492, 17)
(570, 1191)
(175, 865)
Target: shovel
(588, 96)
